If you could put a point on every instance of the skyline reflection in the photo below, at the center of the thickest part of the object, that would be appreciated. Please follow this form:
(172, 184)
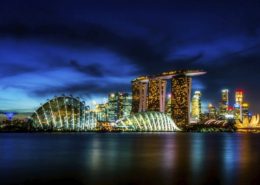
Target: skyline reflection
(137, 158)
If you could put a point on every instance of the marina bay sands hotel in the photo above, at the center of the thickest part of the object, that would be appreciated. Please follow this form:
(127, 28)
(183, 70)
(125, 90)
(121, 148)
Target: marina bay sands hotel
(149, 93)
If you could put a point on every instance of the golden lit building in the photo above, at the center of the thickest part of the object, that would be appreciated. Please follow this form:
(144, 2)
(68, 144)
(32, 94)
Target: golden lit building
(154, 87)
(157, 93)
(181, 91)
(196, 106)
(239, 96)
(139, 94)
(212, 111)
(245, 110)
(247, 123)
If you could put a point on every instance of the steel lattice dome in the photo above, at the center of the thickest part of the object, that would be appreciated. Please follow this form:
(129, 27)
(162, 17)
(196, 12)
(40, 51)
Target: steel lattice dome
(64, 113)
(147, 121)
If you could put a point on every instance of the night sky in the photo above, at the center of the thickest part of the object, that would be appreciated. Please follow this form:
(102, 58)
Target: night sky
(90, 48)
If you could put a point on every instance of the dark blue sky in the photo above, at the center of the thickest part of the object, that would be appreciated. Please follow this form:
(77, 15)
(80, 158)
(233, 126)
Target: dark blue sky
(89, 48)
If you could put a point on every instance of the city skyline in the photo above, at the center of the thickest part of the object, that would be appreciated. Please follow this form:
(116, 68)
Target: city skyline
(89, 51)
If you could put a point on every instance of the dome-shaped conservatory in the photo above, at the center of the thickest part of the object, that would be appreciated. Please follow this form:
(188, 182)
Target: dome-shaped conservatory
(147, 121)
(64, 113)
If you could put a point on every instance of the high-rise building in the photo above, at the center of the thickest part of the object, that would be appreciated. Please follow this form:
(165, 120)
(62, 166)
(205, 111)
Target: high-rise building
(101, 111)
(125, 102)
(157, 94)
(223, 108)
(237, 111)
(212, 111)
(119, 105)
(180, 99)
(196, 106)
(239, 96)
(149, 94)
(168, 109)
(245, 110)
(139, 94)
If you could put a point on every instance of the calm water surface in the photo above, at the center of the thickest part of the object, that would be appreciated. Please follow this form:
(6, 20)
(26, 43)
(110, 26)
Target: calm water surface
(129, 158)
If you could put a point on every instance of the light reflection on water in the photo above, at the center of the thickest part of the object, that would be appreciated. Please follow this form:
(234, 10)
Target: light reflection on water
(130, 158)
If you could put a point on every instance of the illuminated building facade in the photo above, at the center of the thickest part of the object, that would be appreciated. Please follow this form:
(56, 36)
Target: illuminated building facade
(157, 93)
(64, 113)
(196, 106)
(181, 91)
(101, 111)
(154, 88)
(168, 109)
(239, 96)
(147, 121)
(139, 94)
(223, 108)
(125, 105)
(249, 123)
(212, 111)
(119, 105)
(245, 110)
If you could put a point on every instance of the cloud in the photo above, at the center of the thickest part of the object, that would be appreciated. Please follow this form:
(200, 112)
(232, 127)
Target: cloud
(91, 69)
(84, 89)
(97, 56)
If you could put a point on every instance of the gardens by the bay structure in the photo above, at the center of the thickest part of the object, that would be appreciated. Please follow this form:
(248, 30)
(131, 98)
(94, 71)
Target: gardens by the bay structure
(64, 113)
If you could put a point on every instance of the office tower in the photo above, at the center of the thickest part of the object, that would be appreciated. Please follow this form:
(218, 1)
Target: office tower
(212, 111)
(101, 111)
(168, 109)
(245, 110)
(223, 108)
(119, 105)
(239, 96)
(196, 106)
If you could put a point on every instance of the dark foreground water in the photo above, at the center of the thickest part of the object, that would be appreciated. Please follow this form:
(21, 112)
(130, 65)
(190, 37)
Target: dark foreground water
(126, 158)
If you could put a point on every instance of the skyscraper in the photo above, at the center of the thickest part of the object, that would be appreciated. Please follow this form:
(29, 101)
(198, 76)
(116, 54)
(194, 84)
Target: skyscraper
(119, 105)
(223, 108)
(212, 111)
(139, 94)
(149, 94)
(157, 94)
(101, 111)
(180, 99)
(196, 106)
(245, 110)
(168, 109)
(239, 96)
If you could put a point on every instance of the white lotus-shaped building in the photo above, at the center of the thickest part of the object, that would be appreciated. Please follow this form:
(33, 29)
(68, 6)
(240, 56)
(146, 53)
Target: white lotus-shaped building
(64, 113)
(147, 121)
(254, 122)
